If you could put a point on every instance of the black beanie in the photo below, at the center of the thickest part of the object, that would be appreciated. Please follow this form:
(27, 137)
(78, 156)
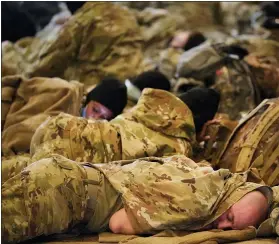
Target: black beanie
(195, 39)
(152, 79)
(110, 93)
(203, 102)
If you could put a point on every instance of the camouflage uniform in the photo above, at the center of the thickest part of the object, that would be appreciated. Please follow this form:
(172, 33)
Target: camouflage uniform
(266, 72)
(254, 144)
(26, 103)
(159, 125)
(234, 79)
(101, 39)
(238, 90)
(55, 195)
(160, 21)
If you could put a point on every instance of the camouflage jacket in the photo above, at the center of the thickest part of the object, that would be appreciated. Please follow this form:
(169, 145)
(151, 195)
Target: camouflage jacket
(239, 91)
(174, 192)
(26, 103)
(101, 39)
(159, 125)
(234, 79)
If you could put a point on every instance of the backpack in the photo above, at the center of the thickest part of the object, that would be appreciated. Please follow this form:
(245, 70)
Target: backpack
(254, 143)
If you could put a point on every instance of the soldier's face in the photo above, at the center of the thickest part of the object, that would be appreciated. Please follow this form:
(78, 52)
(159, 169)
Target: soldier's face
(95, 110)
(250, 210)
(180, 40)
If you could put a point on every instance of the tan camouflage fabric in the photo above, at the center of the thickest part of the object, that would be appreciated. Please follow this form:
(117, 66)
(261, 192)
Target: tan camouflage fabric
(49, 196)
(12, 165)
(159, 125)
(17, 58)
(254, 144)
(271, 225)
(101, 39)
(266, 73)
(258, 46)
(13, 62)
(239, 93)
(174, 192)
(189, 237)
(233, 12)
(157, 28)
(26, 103)
(160, 21)
(201, 61)
(168, 61)
(56, 195)
(192, 15)
(219, 132)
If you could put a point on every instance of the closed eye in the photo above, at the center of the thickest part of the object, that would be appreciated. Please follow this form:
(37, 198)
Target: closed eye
(96, 110)
(230, 217)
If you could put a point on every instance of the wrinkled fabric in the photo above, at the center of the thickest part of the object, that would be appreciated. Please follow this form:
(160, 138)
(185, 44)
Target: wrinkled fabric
(174, 193)
(254, 143)
(200, 61)
(26, 103)
(168, 61)
(238, 90)
(159, 125)
(266, 73)
(101, 39)
(57, 195)
(47, 197)
(259, 47)
(178, 237)
(160, 21)
(12, 165)
(13, 62)
(271, 225)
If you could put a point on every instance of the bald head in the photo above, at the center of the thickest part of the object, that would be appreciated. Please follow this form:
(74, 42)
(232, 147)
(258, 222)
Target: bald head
(251, 210)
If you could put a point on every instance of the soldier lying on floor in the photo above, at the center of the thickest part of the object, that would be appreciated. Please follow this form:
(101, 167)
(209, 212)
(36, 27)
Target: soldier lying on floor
(143, 196)
(26, 103)
(159, 125)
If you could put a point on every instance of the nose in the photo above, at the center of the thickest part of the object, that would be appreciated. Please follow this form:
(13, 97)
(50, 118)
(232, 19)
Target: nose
(224, 224)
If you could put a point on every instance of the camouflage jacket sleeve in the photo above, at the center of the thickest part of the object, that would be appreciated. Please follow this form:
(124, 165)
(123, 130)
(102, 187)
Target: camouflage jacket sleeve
(174, 192)
(159, 125)
(100, 39)
(12, 165)
(76, 138)
(271, 225)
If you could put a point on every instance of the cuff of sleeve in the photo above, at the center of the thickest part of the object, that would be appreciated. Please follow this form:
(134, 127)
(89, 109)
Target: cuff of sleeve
(137, 226)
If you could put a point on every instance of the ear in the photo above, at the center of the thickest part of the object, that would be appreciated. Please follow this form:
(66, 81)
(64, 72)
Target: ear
(119, 223)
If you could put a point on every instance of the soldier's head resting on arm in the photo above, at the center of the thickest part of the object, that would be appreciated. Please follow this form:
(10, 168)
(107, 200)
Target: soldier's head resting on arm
(106, 100)
(250, 210)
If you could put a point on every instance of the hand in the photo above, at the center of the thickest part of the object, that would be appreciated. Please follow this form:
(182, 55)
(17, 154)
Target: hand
(202, 135)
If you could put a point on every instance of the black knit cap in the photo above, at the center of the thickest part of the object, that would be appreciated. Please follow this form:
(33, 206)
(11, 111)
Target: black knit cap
(110, 93)
(203, 102)
(152, 79)
(195, 39)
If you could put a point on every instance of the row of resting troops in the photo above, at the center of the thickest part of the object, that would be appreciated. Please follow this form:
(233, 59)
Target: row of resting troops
(143, 118)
